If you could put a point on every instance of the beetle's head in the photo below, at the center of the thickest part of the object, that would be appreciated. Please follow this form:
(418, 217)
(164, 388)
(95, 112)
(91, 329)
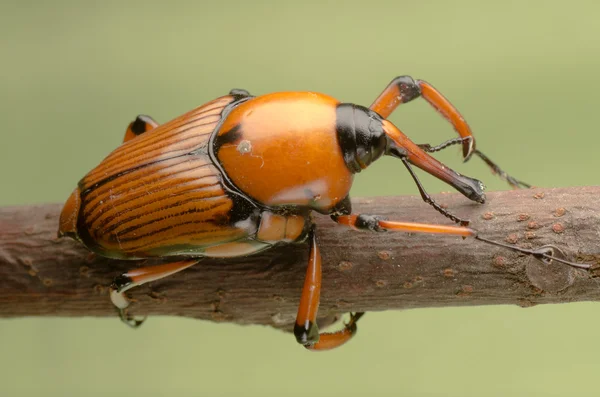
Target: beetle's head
(365, 136)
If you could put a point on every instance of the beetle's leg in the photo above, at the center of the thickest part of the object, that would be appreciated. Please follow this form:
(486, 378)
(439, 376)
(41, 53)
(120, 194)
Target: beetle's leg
(134, 278)
(376, 224)
(429, 200)
(306, 329)
(343, 216)
(404, 89)
(141, 124)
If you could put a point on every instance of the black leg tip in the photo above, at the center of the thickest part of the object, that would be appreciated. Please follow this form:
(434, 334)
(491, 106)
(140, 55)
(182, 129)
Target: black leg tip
(307, 334)
(138, 126)
(120, 282)
(408, 87)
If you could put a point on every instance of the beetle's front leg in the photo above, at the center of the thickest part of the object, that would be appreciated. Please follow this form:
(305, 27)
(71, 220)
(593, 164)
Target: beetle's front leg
(404, 89)
(134, 278)
(306, 329)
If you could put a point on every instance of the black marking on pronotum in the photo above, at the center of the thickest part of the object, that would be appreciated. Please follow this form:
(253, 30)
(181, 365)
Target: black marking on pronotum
(228, 137)
(213, 148)
(360, 135)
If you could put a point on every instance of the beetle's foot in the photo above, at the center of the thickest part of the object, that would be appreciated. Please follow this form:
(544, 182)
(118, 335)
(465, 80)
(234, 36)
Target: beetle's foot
(369, 222)
(130, 320)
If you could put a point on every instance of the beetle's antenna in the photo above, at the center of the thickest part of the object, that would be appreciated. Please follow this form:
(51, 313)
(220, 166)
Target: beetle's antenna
(545, 253)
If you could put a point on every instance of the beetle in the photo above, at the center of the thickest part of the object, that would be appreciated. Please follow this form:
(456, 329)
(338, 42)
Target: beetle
(243, 173)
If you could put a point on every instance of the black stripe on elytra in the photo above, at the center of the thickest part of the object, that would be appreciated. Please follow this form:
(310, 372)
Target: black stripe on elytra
(87, 190)
(159, 145)
(121, 213)
(104, 197)
(195, 232)
(166, 228)
(99, 195)
(165, 207)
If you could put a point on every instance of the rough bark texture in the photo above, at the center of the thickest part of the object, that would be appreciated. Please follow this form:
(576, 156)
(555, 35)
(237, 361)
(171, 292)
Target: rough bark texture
(41, 275)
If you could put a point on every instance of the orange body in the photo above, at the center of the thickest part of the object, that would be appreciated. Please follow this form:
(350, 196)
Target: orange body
(229, 178)
(160, 194)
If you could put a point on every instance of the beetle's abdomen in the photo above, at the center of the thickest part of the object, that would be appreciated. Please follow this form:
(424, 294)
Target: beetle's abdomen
(282, 149)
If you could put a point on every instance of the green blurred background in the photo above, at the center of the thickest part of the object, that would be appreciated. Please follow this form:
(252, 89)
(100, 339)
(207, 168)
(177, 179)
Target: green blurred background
(524, 74)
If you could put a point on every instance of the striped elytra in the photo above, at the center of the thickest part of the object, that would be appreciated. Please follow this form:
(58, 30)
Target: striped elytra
(158, 194)
(201, 184)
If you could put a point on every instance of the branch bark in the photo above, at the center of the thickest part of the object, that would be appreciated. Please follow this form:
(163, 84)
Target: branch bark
(41, 275)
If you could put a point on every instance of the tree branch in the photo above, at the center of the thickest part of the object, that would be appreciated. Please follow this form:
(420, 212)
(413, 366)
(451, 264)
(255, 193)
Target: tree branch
(41, 275)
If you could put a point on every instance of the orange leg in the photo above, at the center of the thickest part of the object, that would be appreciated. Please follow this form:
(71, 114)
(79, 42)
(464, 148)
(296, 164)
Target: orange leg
(141, 124)
(134, 278)
(306, 329)
(404, 89)
(375, 224)
(546, 254)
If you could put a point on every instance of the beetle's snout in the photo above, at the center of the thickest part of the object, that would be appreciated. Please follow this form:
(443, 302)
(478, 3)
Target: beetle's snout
(472, 188)
(68, 216)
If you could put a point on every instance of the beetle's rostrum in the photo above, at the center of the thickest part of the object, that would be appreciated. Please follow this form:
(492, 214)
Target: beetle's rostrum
(241, 174)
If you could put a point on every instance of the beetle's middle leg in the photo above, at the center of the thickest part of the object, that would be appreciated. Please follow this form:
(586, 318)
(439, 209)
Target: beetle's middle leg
(134, 278)
(404, 89)
(306, 329)
(140, 125)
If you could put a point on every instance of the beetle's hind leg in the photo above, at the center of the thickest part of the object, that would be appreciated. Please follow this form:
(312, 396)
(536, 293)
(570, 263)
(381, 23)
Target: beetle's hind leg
(134, 278)
(404, 89)
(140, 125)
(306, 329)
